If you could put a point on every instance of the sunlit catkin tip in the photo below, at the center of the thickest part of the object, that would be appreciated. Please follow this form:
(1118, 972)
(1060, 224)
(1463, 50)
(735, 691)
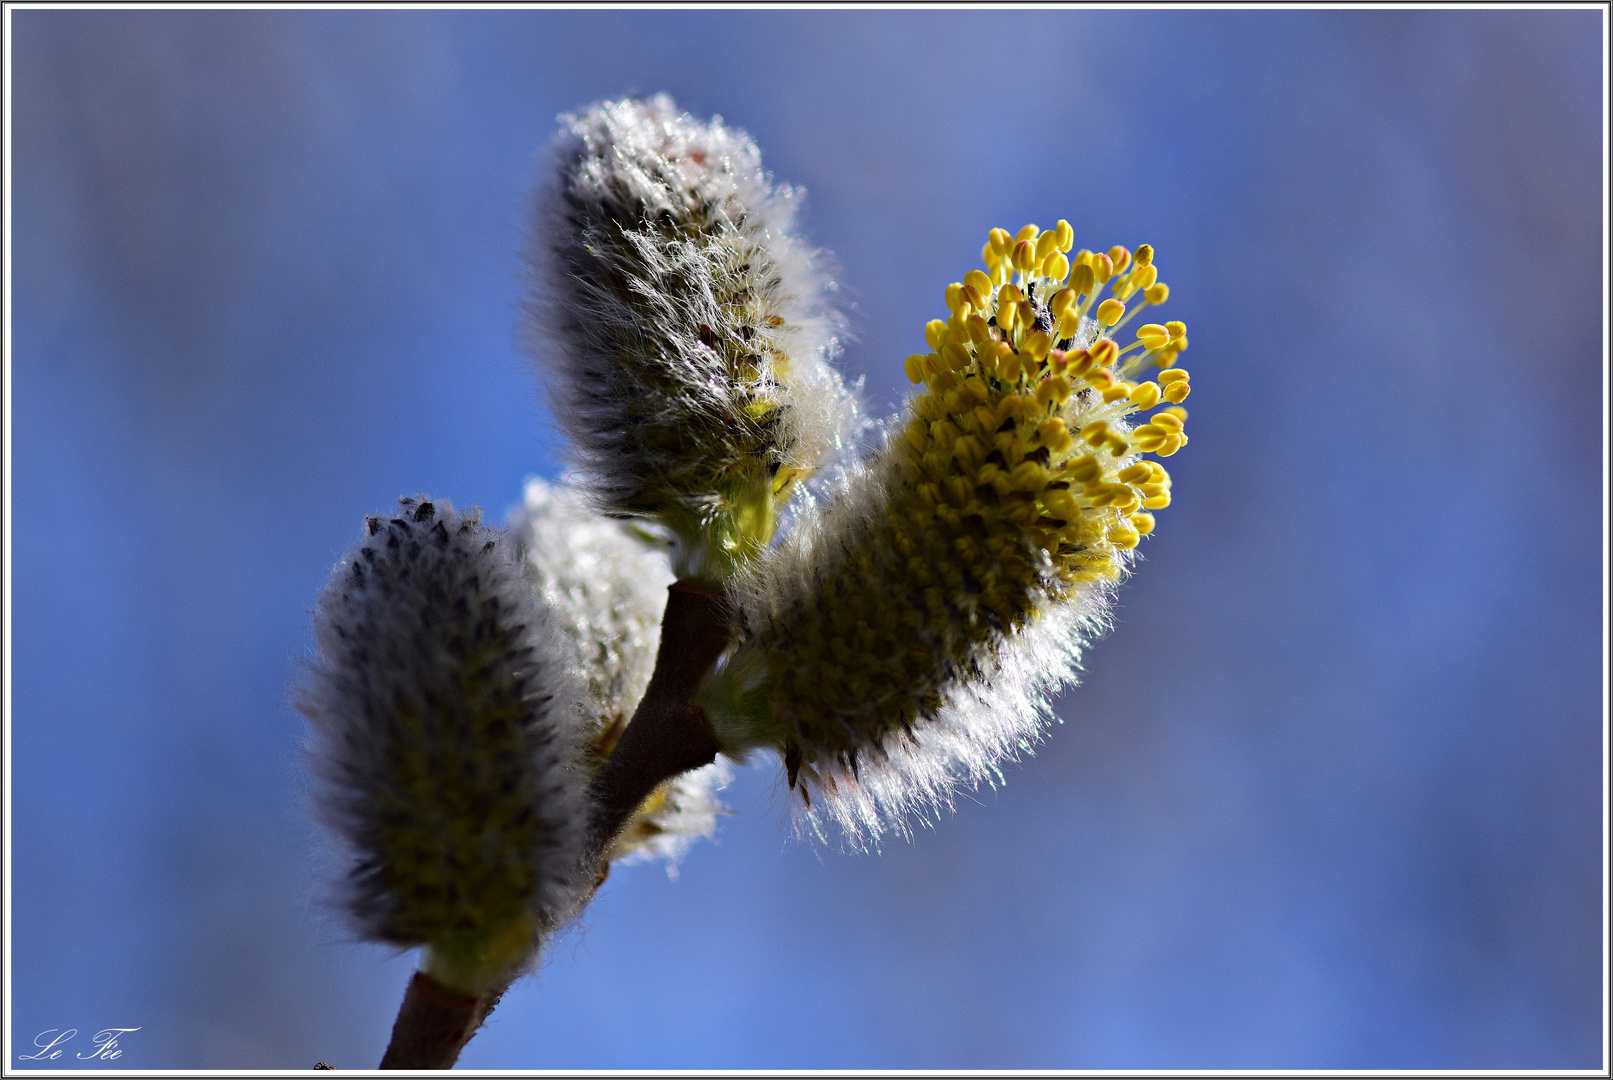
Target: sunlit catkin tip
(447, 732)
(686, 328)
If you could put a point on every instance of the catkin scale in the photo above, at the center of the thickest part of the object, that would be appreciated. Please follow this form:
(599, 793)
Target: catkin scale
(684, 326)
(447, 739)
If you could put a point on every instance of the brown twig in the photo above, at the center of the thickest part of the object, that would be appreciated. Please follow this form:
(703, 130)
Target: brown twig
(668, 735)
(433, 1025)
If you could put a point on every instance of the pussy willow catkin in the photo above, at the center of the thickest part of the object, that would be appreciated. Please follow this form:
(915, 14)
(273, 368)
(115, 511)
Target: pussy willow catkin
(448, 738)
(604, 584)
(685, 327)
(908, 641)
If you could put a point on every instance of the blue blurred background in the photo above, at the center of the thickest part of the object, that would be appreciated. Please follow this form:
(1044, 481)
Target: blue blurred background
(1331, 794)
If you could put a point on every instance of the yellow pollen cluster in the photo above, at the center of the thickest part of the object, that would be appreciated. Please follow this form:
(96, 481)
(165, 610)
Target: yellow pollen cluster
(1028, 398)
(1015, 481)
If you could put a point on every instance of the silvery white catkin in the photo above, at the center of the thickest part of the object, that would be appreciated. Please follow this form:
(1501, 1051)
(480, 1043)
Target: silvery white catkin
(685, 327)
(605, 584)
(447, 744)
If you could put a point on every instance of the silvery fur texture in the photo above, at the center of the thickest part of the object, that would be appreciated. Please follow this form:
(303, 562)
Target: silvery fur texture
(447, 733)
(685, 328)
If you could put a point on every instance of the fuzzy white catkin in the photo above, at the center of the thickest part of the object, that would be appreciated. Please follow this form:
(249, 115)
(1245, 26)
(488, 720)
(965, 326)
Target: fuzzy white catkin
(447, 738)
(684, 326)
(604, 583)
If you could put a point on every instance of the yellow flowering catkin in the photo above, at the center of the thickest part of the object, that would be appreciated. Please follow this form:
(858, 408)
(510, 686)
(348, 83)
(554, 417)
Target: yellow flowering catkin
(908, 641)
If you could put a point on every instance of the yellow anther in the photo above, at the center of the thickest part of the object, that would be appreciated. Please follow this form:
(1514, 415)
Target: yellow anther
(1046, 244)
(975, 388)
(1136, 474)
(1104, 352)
(1123, 538)
(1176, 329)
(1145, 254)
(1029, 476)
(1110, 310)
(1063, 300)
(1024, 256)
(1120, 257)
(944, 432)
(1027, 314)
(1053, 391)
(1011, 407)
(1176, 391)
(1158, 502)
(1158, 294)
(1055, 266)
(914, 366)
(1173, 375)
(933, 331)
(1119, 445)
(1037, 344)
(954, 296)
(1000, 241)
(979, 282)
(986, 419)
(1082, 279)
(1143, 523)
(969, 451)
(989, 256)
(1166, 421)
(1069, 324)
(1061, 504)
(1100, 377)
(1083, 469)
(1172, 445)
(1027, 233)
(1103, 267)
(1153, 336)
(955, 356)
(1144, 277)
(917, 434)
(1146, 395)
(1095, 433)
(1007, 313)
(1066, 235)
(1054, 434)
(1179, 413)
(1009, 294)
(1010, 446)
(979, 333)
(1121, 389)
(1128, 501)
(1009, 368)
